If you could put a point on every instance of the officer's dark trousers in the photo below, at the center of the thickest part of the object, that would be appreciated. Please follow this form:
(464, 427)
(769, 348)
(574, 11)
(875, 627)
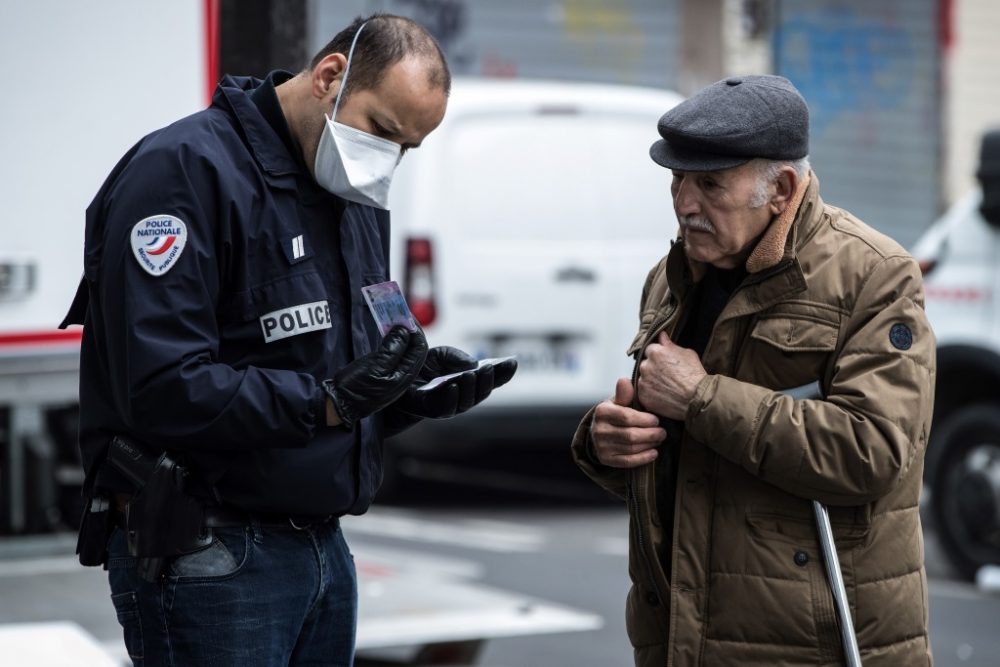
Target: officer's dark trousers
(256, 597)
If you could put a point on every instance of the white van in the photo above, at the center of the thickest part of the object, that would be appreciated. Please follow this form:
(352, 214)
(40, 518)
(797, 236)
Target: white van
(525, 225)
(960, 258)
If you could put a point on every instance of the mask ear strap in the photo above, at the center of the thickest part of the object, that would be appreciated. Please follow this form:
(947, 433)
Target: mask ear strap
(347, 69)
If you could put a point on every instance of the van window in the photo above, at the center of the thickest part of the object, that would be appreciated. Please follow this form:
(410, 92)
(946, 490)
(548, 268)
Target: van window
(558, 177)
(638, 189)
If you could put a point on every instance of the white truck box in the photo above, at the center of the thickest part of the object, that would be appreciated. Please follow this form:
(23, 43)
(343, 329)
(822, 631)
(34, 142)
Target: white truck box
(960, 257)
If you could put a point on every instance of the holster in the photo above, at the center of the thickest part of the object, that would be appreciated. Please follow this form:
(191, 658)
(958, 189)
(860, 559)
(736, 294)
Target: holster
(96, 525)
(161, 520)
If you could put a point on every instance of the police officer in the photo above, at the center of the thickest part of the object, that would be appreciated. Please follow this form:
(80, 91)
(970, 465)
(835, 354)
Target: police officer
(230, 356)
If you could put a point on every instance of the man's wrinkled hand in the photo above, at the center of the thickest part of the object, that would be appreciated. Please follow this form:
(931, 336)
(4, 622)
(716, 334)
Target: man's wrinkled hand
(623, 437)
(668, 378)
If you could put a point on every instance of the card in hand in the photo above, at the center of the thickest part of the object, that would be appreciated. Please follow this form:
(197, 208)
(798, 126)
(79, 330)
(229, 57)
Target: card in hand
(441, 379)
(388, 306)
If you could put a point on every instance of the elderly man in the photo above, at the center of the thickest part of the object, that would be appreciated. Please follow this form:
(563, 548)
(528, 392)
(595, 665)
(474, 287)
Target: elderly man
(768, 289)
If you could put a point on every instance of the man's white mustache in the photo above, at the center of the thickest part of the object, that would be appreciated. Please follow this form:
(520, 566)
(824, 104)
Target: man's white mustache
(697, 223)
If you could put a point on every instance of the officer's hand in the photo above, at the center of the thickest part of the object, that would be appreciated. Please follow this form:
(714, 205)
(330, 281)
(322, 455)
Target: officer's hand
(375, 380)
(458, 394)
(623, 437)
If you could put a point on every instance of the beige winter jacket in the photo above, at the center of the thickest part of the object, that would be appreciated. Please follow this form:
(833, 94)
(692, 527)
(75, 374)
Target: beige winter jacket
(827, 299)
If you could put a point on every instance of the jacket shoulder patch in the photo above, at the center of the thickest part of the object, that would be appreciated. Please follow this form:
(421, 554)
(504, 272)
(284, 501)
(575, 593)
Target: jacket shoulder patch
(157, 243)
(900, 336)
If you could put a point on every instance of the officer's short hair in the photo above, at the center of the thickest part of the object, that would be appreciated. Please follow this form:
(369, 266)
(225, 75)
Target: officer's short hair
(385, 41)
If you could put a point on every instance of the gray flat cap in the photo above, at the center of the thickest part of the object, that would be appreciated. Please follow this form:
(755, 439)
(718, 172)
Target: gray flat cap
(732, 122)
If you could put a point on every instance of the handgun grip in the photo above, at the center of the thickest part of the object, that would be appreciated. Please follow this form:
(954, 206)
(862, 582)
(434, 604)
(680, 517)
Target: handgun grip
(132, 460)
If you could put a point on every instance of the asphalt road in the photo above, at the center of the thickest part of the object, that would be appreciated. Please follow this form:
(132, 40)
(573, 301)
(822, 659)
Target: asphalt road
(570, 552)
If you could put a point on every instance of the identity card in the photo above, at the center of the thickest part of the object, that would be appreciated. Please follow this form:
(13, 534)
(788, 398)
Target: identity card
(388, 306)
(441, 379)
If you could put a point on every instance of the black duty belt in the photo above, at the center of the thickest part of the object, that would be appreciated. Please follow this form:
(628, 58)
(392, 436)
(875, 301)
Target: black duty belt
(225, 517)
(230, 517)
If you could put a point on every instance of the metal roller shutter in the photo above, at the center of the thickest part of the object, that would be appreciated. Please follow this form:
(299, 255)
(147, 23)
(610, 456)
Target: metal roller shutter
(871, 74)
(629, 42)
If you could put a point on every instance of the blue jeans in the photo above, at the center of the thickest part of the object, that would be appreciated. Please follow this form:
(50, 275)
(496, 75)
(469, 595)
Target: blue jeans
(254, 597)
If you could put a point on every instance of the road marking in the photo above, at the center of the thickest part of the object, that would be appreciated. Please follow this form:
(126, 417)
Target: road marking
(495, 536)
(33, 566)
(612, 546)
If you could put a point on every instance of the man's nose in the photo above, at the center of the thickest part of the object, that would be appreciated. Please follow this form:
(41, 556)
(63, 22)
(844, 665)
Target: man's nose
(685, 199)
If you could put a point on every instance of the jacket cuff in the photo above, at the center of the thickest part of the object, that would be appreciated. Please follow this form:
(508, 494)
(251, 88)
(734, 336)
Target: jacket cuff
(611, 479)
(317, 407)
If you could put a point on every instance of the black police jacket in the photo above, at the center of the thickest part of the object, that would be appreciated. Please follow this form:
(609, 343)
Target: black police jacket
(221, 286)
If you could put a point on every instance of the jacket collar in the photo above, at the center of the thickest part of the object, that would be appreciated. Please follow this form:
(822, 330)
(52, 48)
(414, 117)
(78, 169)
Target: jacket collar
(779, 238)
(267, 147)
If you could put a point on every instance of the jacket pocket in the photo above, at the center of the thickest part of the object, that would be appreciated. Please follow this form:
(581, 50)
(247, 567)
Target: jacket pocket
(775, 567)
(646, 619)
(796, 334)
(788, 350)
(849, 530)
(793, 542)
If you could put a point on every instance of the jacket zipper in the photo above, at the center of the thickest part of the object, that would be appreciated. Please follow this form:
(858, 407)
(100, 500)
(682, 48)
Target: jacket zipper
(633, 496)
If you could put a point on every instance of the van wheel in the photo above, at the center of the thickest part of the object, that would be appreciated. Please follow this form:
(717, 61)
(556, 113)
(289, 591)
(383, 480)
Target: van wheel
(965, 499)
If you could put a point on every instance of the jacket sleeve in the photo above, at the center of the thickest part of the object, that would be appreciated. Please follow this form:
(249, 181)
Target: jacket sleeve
(160, 339)
(611, 479)
(854, 446)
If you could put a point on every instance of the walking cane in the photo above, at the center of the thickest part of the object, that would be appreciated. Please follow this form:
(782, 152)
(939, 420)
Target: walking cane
(836, 579)
(833, 574)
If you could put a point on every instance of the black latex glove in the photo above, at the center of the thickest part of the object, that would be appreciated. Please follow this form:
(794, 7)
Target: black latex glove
(375, 380)
(452, 397)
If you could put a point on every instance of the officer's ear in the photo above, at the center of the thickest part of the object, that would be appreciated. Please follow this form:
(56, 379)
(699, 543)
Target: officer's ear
(327, 75)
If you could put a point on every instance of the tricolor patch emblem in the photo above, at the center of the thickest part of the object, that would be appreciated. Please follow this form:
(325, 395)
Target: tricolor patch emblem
(157, 243)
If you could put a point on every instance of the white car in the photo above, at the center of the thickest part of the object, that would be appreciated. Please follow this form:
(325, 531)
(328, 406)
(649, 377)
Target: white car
(526, 225)
(960, 258)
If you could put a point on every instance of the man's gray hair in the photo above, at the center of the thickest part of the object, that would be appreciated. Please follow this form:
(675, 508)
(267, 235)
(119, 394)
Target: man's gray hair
(767, 171)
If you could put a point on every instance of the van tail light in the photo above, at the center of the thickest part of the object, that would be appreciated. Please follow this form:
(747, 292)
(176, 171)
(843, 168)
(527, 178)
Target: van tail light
(419, 280)
(926, 265)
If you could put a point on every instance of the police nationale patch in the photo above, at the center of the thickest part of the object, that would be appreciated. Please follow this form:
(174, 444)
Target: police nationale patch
(157, 243)
(900, 336)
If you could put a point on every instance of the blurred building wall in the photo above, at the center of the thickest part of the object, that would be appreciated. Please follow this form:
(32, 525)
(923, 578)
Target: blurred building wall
(972, 87)
(257, 36)
(628, 41)
(899, 90)
(870, 72)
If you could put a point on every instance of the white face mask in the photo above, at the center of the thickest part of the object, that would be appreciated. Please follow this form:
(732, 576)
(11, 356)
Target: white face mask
(353, 164)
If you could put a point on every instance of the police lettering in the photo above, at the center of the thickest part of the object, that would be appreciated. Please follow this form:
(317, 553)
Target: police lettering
(175, 231)
(295, 320)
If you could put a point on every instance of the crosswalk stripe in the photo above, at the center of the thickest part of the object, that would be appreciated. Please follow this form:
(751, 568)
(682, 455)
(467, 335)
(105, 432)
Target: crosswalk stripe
(487, 536)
